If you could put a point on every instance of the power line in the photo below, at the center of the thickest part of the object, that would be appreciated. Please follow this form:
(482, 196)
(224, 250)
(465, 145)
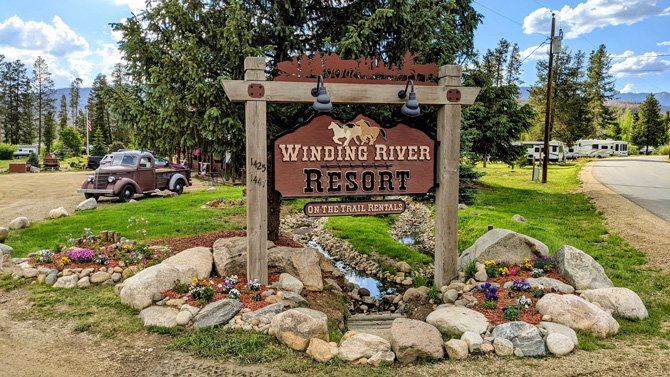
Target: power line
(529, 55)
(638, 56)
(499, 14)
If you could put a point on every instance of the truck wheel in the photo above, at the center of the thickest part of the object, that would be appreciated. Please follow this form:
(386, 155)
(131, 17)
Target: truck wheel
(89, 196)
(127, 193)
(178, 187)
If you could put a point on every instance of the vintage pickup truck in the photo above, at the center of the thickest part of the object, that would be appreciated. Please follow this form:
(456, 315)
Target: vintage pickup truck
(134, 172)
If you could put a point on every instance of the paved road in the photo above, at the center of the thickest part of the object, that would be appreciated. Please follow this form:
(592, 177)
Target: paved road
(643, 180)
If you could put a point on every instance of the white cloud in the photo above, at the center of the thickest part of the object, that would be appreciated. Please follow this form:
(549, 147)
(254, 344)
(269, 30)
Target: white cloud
(534, 53)
(135, 5)
(592, 14)
(629, 88)
(57, 39)
(666, 12)
(634, 66)
(664, 43)
(110, 55)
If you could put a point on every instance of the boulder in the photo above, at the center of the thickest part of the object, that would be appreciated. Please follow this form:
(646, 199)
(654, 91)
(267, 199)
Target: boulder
(230, 257)
(559, 344)
(100, 277)
(363, 346)
(164, 316)
(5, 249)
(58, 212)
(87, 204)
(295, 327)
(523, 336)
(19, 223)
(503, 347)
(217, 313)
(481, 276)
(549, 283)
(30, 272)
(403, 267)
(577, 313)
(450, 296)
(139, 289)
(4, 232)
(199, 258)
(623, 302)
(51, 279)
(456, 349)
(183, 317)
(471, 339)
(322, 351)
(416, 294)
(66, 281)
(557, 328)
(288, 282)
(267, 312)
(385, 357)
(520, 219)
(456, 320)
(84, 282)
(580, 269)
(412, 339)
(502, 244)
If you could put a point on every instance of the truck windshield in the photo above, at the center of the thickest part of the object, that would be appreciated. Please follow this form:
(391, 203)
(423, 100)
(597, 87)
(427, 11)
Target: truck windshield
(125, 160)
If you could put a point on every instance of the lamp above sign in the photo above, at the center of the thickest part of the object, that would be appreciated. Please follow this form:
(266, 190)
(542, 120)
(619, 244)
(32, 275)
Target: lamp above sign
(326, 157)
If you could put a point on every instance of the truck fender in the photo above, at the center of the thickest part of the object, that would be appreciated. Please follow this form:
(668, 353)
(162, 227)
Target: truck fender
(119, 183)
(175, 178)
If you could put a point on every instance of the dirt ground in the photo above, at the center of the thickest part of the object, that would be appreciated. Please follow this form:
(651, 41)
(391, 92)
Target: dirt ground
(33, 195)
(47, 348)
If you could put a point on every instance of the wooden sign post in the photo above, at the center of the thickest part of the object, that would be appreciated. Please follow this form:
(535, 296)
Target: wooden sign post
(255, 91)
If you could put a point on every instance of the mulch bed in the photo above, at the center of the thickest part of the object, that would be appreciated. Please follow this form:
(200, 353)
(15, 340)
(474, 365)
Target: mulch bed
(208, 239)
(530, 315)
(245, 298)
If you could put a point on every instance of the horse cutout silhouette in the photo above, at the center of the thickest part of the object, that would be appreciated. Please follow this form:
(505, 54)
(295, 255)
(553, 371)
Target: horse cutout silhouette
(349, 131)
(369, 133)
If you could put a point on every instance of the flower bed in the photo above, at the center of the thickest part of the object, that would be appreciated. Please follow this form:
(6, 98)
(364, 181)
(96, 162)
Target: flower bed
(225, 203)
(246, 294)
(99, 256)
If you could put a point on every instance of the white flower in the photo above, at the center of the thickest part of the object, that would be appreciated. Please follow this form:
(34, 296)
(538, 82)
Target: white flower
(540, 286)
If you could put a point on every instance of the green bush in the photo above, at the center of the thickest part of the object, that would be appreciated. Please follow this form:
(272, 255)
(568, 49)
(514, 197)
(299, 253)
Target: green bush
(116, 146)
(33, 160)
(662, 150)
(7, 151)
(633, 150)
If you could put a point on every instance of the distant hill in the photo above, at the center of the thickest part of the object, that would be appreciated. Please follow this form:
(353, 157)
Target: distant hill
(621, 100)
(83, 96)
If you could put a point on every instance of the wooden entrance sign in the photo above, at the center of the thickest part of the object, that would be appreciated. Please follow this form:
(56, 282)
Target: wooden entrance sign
(375, 207)
(447, 94)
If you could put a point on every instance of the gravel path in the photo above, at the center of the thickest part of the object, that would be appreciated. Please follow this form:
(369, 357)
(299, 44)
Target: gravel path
(33, 195)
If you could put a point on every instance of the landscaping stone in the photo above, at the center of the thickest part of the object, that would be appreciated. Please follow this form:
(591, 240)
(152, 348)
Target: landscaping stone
(450, 296)
(523, 336)
(183, 317)
(191, 309)
(199, 258)
(623, 302)
(87, 204)
(559, 344)
(416, 294)
(84, 282)
(163, 316)
(66, 281)
(471, 339)
(139, 289)
(577, 313)
(267, 312)
(295, 327)
(4, 232)
(86, 272)
(520, 219)
(100, 277)
(382, 357)
(503, 347)
(286, 281)
(456, 349)
(363, 346)
(5, 249)
(322, 351)
(230, 255)
(51, 279)
(30, 273)
(412, 339)
(116, 277)
(331, 285)
(549, 283)
(456, 320)
(292, 296)
(481, 276)
(580, 269)
(502, 244)
(403, 267)
(19, 223)
(557, 328)
(58, 212)
(217, 313)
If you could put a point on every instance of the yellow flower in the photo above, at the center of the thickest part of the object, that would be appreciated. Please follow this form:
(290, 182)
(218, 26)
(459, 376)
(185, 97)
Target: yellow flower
(195, 280)
(489, 262)
(504, 271)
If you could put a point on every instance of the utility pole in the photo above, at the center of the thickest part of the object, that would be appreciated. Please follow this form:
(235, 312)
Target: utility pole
(547, 117)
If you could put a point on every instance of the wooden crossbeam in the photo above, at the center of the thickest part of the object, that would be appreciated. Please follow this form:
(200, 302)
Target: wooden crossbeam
(367, 94)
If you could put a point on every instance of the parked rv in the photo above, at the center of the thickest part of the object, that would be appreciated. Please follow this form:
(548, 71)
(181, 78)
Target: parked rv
(534, 151)
(597, 148)
(24, 150)
(621, 148)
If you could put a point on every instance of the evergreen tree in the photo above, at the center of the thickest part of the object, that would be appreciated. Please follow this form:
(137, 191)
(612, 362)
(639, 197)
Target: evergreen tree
(648, 130)
(17, 120)
(75, 86)
(62, 113)
(626, 124)
(98, 109)
(43, 92)
(99, 147)
(599, 88)
(49, 131)
(3, 96)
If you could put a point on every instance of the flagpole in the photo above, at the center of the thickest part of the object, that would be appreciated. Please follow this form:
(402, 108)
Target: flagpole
(88, 149)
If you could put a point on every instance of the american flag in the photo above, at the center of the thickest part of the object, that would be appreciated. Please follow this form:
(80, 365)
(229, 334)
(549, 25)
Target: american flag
(88, 123)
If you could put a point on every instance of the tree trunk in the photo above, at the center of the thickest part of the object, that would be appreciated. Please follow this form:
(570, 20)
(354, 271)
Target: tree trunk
(484, 162)
(274, 209)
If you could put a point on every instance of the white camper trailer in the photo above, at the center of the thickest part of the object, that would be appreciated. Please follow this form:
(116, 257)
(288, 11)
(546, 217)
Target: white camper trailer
(595, 148)
(534, 151)
(572, 153)
(621, 148)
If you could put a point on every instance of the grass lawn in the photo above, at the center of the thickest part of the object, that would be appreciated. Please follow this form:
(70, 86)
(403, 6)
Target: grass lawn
(5, 163)
(174, 217)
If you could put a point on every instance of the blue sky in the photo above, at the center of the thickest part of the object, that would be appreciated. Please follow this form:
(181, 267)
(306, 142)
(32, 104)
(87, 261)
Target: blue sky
(75, 38)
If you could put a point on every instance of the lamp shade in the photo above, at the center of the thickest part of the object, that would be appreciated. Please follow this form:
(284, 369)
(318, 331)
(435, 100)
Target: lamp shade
(411, 107)
(322, 102)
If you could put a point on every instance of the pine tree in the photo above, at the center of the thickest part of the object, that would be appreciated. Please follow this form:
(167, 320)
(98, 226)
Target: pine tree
(98, 109)
(49, 131)
(43, 92)
(99, 147)
(62, 113)
(75, 86)
(3, 96)
(17, 120)
(648, 131)
(599, 88)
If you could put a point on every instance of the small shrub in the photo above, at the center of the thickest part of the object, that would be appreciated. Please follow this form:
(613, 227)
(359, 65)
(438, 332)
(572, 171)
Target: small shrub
(491, 268)
(33, 159)
(81, 255)
(510, 313)
(537, 272)
(527, 265)
(7, 151)
(489, 305)
(523, 302)
(546, 263)
(662, 150)
(181, 288)
(470, 270)
(434, 294)
(257, 297)
(521, 286)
